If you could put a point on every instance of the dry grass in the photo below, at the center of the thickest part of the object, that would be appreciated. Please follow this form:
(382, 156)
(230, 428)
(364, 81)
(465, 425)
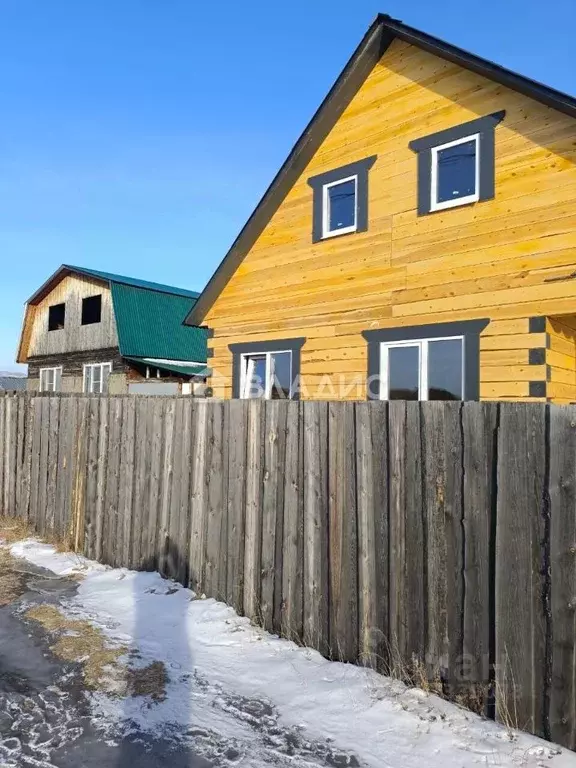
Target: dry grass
(81, 642)
(12, 530)
(148, 681)
(12, 583)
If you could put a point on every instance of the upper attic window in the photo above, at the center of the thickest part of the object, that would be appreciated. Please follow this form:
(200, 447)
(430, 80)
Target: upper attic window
(457, 166)
(56, 317)
(92, 309)
(455, 171)
(340, 200)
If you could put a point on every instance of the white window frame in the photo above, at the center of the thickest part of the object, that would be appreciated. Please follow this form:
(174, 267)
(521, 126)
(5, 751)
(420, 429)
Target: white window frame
(434, 204)
(94, 365)
(422, 345)
(326, 231)
(245, 380)
(53, 370)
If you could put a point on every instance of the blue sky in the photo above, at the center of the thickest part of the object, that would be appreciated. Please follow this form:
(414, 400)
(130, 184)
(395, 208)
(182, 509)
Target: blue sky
(137, 136)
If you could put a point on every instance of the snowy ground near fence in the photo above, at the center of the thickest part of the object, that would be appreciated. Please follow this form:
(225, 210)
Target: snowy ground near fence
(229, 678)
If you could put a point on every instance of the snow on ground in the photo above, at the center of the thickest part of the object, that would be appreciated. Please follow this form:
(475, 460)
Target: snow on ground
(240, 684)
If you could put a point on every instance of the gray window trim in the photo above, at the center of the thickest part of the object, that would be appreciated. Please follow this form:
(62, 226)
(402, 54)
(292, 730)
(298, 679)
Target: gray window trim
(359, 169)
(253, 348)
(469, 329)
(484, 127)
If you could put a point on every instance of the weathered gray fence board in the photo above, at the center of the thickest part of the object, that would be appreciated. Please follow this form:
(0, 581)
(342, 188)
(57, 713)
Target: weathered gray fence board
(272, 513)
(237, 436)
(112, 496)
(520, 609)
(198, 505)
(442, 497)
(372, 501)
(315, 575)
(562, 489)
(422, 538)
(253, 518)
(293, 523)
(479, 422)
(216, 467)
(342, 528)
(44, 428)
(180, 529)
(407, 539)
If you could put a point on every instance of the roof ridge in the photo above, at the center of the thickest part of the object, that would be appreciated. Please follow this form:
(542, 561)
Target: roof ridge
(134, 282)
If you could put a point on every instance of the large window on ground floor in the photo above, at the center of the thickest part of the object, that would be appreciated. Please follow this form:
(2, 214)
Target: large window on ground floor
(429, 369)
(50, 379)
(96, 378)
(267, 375)
(426, 362)
(268, 370)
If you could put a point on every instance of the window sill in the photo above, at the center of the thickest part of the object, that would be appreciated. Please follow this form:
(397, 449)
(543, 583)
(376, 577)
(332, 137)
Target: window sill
(338, 233)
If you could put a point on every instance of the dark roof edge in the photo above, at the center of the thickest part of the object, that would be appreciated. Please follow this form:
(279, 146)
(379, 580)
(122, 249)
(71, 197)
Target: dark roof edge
(367, 54)
(53, 280)
(550, 97)
(375, 42)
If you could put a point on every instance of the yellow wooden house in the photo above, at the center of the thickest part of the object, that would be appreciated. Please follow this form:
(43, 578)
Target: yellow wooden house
(418, 243)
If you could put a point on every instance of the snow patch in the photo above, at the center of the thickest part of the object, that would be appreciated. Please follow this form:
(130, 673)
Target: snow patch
(244, 686)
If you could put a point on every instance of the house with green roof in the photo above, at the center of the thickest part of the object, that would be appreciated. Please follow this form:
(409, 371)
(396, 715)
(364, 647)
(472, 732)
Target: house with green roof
(96, 332)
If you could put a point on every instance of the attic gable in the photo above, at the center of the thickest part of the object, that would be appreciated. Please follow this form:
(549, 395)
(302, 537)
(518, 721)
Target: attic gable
(378, 39)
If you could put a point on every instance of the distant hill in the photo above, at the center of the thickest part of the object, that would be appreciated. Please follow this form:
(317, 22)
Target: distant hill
(13, 374)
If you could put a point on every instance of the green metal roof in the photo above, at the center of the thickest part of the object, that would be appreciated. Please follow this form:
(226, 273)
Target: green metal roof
(186, 370)
(112, 278)
(150, 324)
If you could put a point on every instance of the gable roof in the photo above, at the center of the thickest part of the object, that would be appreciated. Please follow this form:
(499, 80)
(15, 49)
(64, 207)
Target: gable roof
(381, 33)
(149, 316)
(105, 277)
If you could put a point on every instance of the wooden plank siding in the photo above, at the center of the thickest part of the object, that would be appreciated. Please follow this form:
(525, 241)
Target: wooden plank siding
(503, 259)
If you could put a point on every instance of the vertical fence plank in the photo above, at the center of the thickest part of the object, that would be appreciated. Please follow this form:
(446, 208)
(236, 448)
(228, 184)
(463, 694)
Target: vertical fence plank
(186, 458)
(142, 451)
(407, 594)
(150, 556)
(520, 609)
(9, 454)
(104, 408)
(43, 465)
(76, 490)
(65, 440)
(27, 458)
(198, 501)
(174, 551)
(34, 509)
(293, 534)
(92, 427)
(442, 497)
(562, 489)
(372, 501)
(273, 512)
(166, 486)
(316, 577)
(342, 528)
(54, 417)
(21, 402)
(479, 425)
(216, 473)
(110, 527)
(253, 524)
(238, 410)
(127, 476)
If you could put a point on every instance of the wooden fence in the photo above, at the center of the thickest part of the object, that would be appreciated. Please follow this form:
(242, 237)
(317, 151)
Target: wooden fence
(433, 540)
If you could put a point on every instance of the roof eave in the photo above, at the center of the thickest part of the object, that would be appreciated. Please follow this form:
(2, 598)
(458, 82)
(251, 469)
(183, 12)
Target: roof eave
(367, 54)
